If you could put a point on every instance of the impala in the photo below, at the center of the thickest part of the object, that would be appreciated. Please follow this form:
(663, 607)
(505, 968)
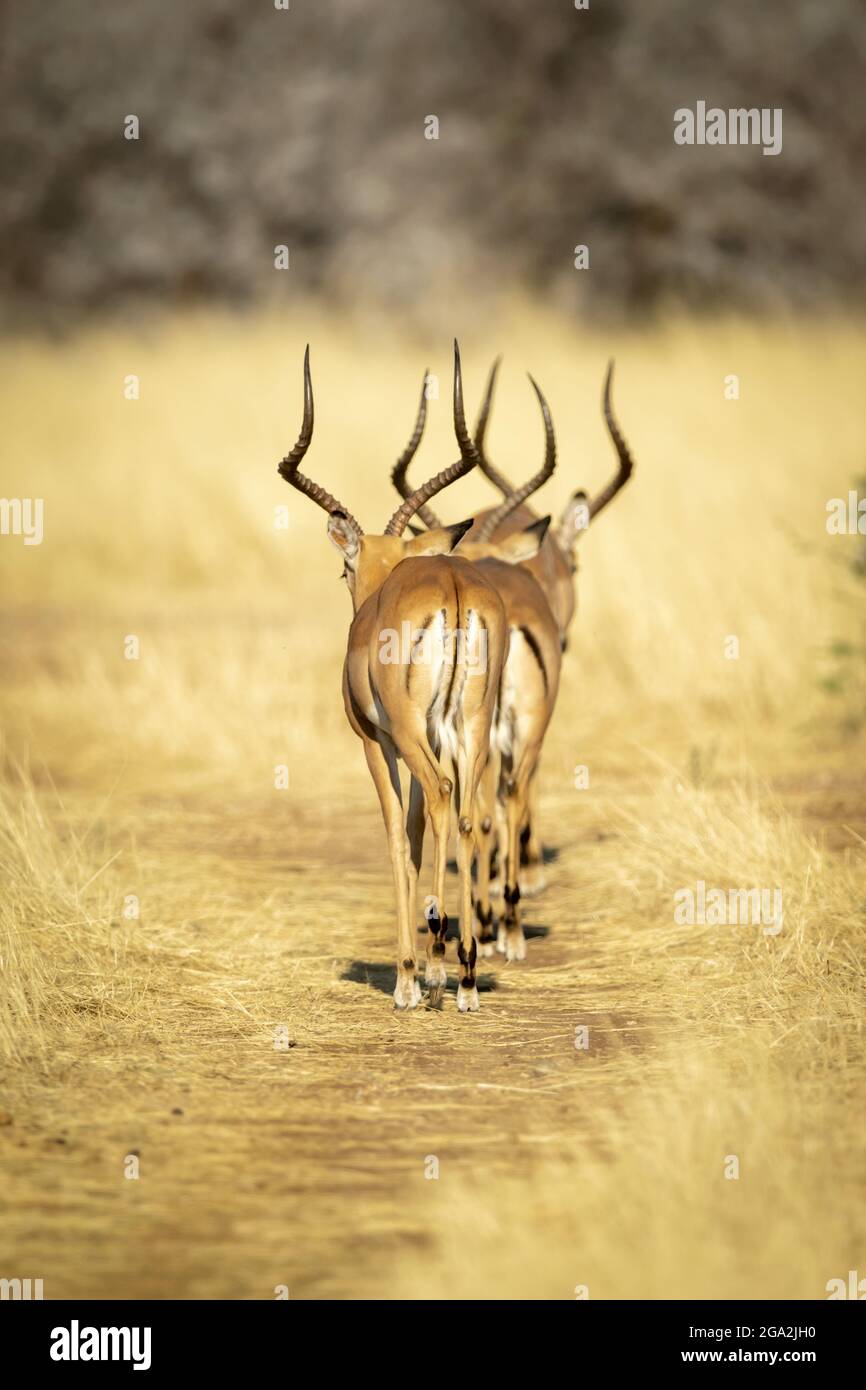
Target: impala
(530, 680)
(554, 567)
(556, 564)
(429, 712)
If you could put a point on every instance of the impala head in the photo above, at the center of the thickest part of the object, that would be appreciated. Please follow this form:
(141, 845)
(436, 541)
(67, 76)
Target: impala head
(369, 559)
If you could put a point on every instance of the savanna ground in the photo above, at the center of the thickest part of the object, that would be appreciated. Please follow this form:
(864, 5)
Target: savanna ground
(238, 1035)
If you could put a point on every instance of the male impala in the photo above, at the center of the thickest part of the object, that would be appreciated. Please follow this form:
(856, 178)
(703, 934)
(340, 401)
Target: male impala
(530, 681)
(554, 566)
(432, 707)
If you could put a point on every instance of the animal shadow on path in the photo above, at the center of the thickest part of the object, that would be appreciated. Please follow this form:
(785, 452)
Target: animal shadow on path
(378, 976)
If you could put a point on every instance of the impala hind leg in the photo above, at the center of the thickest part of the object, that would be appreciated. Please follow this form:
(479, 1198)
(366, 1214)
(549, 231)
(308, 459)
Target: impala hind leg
(497, 855)
(467, 948)
(506, 770)
(436, 973)
(470, 765)
(430, 796)
(485, 841)
(439, 811)
(415, 845)
(382, 762)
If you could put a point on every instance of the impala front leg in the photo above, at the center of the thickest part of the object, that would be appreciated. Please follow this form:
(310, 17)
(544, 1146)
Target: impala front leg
(511, 939)
(516, 807)
(532, 876)
(382, 762)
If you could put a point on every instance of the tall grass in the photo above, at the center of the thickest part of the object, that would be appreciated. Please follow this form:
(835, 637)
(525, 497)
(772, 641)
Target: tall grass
(742, 766)
(160, 512)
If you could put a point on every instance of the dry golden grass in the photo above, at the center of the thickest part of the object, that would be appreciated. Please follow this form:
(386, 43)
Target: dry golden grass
(262, 909)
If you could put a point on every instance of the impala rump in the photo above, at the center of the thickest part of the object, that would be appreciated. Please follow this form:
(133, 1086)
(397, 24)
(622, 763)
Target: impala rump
(439, 675)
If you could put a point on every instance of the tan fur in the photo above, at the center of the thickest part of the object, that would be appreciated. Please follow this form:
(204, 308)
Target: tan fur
(527, 697)
(388, 704)
(553, 566)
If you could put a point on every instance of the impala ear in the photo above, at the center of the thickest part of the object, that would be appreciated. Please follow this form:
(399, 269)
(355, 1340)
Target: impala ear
(417, 530)
(440, 541)
(574, 519)
(458, 530)
(523, 545)
(343, 535)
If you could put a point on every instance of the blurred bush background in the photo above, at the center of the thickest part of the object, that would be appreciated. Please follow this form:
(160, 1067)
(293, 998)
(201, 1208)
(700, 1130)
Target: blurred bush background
(305, 127)
(149, 783)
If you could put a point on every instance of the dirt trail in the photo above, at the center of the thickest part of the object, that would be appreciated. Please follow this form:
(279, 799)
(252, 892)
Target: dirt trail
(257, 1162)
(153, 1038)
(239, 1042)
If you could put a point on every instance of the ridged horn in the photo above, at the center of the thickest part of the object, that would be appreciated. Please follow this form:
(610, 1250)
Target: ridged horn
(468, 460)
(288, 467)
(511, 503)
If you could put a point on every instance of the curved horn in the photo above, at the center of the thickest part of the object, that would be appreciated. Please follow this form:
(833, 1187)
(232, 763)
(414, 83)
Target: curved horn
(499, 514)
(498, 479)
(398, 477)
(288, 467)
(468, 459)
(626, 462)
(398, 473)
